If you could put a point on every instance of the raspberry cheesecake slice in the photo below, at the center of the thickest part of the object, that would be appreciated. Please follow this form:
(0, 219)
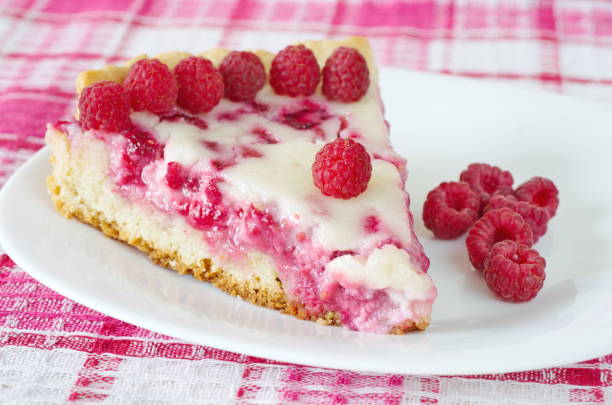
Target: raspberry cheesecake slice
(269, 176)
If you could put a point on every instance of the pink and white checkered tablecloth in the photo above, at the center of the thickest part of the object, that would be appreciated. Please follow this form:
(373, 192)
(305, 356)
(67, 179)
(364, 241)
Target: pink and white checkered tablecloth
(54, 351)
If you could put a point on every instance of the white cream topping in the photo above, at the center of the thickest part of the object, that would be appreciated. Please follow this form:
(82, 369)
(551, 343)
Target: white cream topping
(146, 120)
(385, 267)
(366, 116)
(184, 143)
(283, 177)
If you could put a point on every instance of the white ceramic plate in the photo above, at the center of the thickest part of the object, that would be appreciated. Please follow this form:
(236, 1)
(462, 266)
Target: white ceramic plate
(440, 124)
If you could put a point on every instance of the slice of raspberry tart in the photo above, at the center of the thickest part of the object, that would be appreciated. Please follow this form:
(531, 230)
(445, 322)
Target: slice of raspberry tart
(269, 176)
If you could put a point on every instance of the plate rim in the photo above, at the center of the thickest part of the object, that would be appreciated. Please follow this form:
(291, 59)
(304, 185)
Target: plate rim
(254, 347)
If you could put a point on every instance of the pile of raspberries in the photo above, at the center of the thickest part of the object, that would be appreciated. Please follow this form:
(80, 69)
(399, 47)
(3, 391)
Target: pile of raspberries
(502, 225)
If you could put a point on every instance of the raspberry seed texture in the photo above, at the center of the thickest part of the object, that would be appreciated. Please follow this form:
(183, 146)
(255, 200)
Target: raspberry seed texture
(450, 209)
(540, 192)
(495, 226)
(106, 106)
(486, 180)
(295, 72)
(514, 272)
(200, 85)
(537, 217)
(151, 86)
(346, 76)
(342, 169)
(243, 75)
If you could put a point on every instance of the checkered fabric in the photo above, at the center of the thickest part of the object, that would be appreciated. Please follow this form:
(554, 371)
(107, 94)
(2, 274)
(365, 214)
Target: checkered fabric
(54, 351)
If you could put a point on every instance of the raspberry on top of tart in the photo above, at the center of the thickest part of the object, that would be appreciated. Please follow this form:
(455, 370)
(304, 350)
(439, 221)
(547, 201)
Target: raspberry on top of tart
(270, 176)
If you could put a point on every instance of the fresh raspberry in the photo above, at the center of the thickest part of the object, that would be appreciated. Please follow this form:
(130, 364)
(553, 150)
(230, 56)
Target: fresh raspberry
(342, 169)
(104, 105)
(495, 226)
(346, 76)
(243, 75)
(450, 209)
(200, 85)
(151, 86)
(295, 71)
(514, 272)
(541, 192)
(536, 217)
(486, 180)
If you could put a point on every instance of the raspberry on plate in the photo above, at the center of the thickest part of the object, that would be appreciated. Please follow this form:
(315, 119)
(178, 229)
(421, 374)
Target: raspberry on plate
(540, 192)
(342, 169)
(514, 272)
(243, 75)
(450, 209)
(486, 180)
(537, 217)
(106, 106)
(346, 76)
(295, 71)
(151, 86)
(495, 226)
(200, 84)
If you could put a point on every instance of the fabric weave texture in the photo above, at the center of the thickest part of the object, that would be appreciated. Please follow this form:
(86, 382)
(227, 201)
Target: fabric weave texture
(54, 351)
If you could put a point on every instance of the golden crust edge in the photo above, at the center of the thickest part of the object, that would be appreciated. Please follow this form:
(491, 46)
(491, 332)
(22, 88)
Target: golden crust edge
(321, 48)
